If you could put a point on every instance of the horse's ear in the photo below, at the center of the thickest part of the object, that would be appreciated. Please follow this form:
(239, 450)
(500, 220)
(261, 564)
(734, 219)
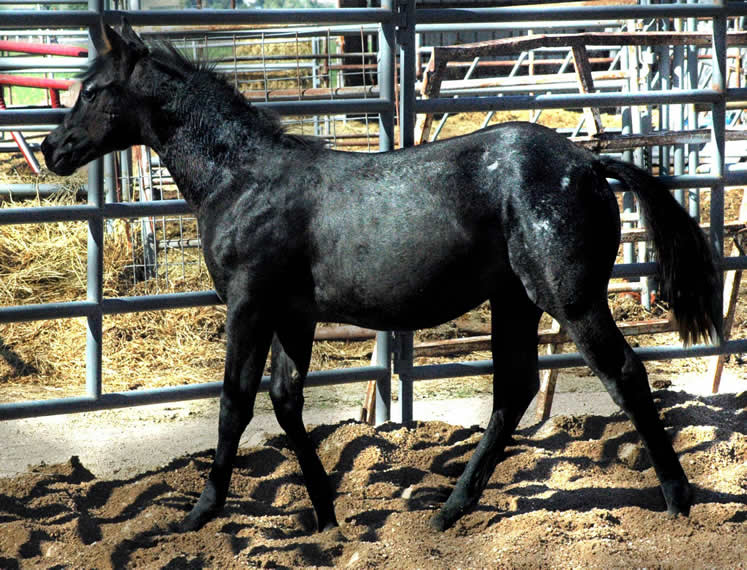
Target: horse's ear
(107, 41)
(104, 38)
(133, 40)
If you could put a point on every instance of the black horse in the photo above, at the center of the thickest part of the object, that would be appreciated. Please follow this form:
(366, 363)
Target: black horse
(294, 233)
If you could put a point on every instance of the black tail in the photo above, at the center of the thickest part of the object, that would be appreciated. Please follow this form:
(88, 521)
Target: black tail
(687, 272)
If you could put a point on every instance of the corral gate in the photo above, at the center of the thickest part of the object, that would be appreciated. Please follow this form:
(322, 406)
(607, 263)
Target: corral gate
(397, 22)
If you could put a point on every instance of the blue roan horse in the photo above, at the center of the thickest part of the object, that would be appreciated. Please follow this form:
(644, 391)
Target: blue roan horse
(294, 233)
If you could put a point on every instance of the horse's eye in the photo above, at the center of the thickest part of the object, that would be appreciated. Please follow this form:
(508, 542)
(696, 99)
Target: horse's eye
(88, 94)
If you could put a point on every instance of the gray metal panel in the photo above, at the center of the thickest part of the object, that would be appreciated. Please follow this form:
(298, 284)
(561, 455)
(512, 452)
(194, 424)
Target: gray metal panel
(463, 23)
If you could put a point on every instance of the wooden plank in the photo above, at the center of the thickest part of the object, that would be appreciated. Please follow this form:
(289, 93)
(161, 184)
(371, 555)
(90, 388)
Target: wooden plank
(547, 336)
(548, 380)
(508, 46)
(586, 85)
(612, 142)
(732, 281)
(430, 89)
(368, 411)
(638, 234)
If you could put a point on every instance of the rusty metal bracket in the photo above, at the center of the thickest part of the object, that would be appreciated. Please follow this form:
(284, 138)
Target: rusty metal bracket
(402, 352)
(404, 21)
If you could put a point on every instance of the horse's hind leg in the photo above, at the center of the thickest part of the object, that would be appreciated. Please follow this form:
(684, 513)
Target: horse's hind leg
(291, 352)
(623, 374)
(515, 382)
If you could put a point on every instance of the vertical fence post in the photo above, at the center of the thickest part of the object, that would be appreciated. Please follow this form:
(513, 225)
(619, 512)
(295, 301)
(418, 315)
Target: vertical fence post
(386, 80)
(628, 199)
(678, 113)
(386, 66)
(718, 128)
(406, 39)
(110, 185)
(95, 258)
(384, 384)
(125, 159)
(403, 364)
(718, 135)
(693, 155)
(407, 61)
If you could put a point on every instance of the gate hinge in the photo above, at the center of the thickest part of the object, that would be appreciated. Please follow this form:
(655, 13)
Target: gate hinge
(402, 352)
(404, 21)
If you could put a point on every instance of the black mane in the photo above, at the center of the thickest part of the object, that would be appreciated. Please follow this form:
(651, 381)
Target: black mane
(174, 62)
(169, 58)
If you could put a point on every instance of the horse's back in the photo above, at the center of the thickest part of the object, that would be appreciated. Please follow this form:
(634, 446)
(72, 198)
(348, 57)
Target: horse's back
(431, 231)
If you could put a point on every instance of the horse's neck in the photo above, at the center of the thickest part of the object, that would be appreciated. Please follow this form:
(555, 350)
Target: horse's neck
(203, 144)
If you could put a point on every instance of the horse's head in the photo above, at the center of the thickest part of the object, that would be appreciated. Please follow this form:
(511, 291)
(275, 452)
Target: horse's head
(112, 99)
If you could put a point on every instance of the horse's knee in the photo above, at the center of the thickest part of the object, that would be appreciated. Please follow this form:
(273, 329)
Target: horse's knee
(285, 402)
(286, 388)
(235, 414)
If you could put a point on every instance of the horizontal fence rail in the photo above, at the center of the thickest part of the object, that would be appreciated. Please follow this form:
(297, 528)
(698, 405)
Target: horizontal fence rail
(388, 19)
(19, 410)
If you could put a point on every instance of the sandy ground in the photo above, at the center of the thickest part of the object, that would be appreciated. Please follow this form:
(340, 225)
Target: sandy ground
(574, 491)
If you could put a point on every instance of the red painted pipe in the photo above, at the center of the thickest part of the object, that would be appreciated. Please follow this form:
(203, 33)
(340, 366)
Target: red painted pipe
(21, 144)
(41, 82)
(44, 49)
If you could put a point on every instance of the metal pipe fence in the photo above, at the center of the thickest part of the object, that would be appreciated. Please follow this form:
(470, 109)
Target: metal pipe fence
(397, 25)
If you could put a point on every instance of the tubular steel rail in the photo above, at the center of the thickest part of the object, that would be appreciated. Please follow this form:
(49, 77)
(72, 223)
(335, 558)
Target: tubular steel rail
(397, 26)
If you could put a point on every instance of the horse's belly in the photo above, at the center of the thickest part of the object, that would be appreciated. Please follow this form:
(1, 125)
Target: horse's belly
(406, 298)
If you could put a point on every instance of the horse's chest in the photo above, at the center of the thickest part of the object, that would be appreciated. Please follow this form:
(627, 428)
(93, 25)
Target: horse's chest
(250, 250)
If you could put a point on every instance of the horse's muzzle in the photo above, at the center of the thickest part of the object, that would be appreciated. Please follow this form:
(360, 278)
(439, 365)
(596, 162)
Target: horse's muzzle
(58, 155)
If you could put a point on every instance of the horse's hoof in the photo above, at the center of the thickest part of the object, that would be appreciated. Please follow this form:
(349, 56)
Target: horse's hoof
(679, 497)
(197, 518)
(192, 523)
(334, 533)
(331, 525)
(439, 523)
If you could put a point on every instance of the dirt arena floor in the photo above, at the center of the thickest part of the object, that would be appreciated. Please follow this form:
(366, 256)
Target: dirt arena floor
(574, 491)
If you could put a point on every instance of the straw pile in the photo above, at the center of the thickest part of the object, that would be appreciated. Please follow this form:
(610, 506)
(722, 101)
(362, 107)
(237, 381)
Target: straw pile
(278, 79)
(47, 263)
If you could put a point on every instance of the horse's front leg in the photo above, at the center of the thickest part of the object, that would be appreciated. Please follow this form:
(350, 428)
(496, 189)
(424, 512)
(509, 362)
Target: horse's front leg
(247, 344)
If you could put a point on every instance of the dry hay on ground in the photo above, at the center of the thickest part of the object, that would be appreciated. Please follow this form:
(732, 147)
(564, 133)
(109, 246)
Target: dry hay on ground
(572, 492)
